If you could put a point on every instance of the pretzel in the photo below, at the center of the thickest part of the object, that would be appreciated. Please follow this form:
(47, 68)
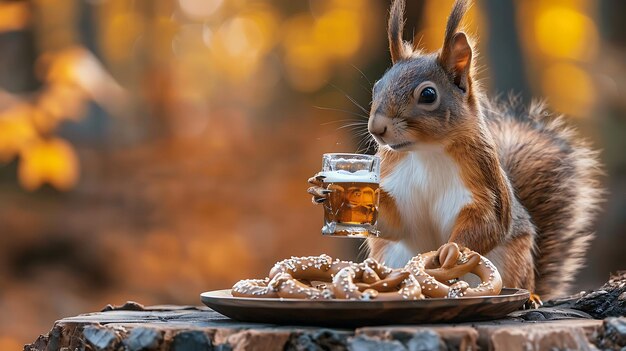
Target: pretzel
(294, 277)
(288, 287)
(430, 273)
(281, 282)
(321, 277)
(282, 285)
(345, 288)
(254, 288)
(321, 268)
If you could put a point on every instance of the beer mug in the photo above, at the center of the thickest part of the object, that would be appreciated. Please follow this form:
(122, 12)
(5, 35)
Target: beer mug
(352, 181)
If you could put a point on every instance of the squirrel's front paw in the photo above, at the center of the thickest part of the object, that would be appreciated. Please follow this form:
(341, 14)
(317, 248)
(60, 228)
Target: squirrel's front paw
(319, 193)
(533, 302)
(448, 254)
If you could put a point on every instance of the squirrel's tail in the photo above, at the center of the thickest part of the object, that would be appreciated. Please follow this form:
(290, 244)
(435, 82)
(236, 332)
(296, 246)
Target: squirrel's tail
(554, 174)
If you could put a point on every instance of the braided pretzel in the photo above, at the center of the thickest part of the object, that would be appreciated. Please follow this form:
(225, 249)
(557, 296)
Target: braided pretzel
(288, 279)
(282, 285)
(291, 288)
(430, 273)
(345, 288)
(320, 268)
(321, 277)
(292, 278)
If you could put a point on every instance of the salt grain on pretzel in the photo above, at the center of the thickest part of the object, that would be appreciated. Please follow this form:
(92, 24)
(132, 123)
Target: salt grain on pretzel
(310, 267)
(290, 288)
(425, 269)
(321, 277)
(345, 288)
(254, 288)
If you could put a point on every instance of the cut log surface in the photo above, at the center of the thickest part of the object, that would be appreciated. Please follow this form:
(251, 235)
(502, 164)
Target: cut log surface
(573, 323)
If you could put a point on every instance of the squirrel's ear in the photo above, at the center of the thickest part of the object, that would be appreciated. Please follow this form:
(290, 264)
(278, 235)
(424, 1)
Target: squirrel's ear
(456, 53)
(456, 58)
(397, 48)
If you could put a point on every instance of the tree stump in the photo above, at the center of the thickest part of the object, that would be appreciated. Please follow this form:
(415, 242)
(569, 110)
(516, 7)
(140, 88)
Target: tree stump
(585, 321)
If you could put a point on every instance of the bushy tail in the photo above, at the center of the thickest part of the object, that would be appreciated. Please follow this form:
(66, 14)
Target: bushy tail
(555, 176)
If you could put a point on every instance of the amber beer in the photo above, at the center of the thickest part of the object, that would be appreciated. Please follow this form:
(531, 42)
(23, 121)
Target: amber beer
(352, 206)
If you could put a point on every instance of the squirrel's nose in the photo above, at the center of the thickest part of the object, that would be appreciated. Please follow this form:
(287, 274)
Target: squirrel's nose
(378, 124)
(378, 131)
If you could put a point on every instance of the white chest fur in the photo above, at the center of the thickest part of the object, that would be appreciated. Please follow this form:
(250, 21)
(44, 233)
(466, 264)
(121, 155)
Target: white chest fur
(429, 194)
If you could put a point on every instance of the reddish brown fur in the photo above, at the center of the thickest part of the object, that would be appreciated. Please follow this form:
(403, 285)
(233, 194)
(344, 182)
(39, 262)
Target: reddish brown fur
(483, 224)
(555, 177)
(533, 184)
(396, 24)
(388, 211)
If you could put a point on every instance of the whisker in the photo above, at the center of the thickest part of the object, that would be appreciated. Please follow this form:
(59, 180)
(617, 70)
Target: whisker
(353, 128)
(366, 147)
(363, 75)
(372, 144)
(354, 123)
(352, 100)
(357, 104)
(357, 127)
(357, 131)
(402, 125)
(340, 110)
(340, 121)
(366, 89)
(360, 149)
(365, 143)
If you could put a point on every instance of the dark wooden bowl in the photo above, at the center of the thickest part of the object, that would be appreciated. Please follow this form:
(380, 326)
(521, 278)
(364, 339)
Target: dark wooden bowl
(342, 313)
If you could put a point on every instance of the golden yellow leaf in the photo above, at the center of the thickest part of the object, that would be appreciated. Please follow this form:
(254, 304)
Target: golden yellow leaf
(16, 131)
(50, 161)
(62, 102)
(14, 16)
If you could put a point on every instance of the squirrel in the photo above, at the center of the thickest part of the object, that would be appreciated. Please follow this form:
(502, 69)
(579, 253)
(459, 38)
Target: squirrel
(457, 167)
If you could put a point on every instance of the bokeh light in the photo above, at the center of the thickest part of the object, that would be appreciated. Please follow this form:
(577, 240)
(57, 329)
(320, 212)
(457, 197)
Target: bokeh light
(48, 161)
(560, 42)
(199, 9)
(570, 89)
(154, 149)
(430, 36)
(566, 33)
(14, 15)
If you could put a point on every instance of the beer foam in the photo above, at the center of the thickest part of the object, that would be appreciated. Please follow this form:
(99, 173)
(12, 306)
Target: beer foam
(360, 176)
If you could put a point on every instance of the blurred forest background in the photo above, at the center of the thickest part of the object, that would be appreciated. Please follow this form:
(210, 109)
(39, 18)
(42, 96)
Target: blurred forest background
(154, 149)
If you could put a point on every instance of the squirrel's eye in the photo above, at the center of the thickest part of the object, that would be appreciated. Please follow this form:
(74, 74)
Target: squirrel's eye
(427, 96)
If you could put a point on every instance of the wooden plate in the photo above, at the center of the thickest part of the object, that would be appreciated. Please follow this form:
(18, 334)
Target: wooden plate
(342, 313)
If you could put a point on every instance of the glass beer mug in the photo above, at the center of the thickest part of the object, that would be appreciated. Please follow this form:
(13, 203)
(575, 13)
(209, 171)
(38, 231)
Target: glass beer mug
(351, 208)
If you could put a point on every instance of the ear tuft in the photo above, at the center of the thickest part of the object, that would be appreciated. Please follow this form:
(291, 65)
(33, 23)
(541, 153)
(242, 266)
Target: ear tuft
(394, 31)
(459, 9)
(456, 53)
